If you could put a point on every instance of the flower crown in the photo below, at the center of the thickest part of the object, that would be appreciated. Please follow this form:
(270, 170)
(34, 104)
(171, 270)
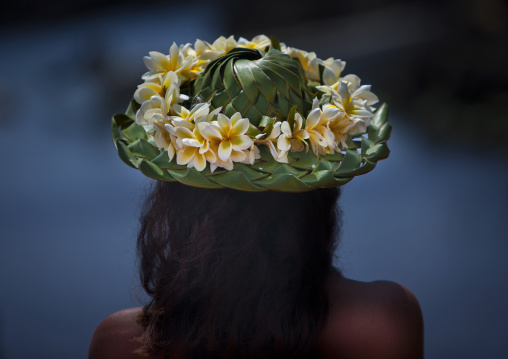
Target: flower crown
(251, 115)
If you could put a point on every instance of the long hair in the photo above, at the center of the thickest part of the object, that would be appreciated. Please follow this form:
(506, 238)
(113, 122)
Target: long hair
(235, 274)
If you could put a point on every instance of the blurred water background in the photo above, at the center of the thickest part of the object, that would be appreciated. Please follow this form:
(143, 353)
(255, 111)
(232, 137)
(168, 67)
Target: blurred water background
(433, 216)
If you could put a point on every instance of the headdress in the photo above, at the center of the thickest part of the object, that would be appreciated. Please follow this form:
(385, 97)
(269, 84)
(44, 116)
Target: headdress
(250, 115)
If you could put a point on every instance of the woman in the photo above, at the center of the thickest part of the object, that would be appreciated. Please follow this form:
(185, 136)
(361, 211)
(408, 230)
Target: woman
(234, 274)
(249, 275)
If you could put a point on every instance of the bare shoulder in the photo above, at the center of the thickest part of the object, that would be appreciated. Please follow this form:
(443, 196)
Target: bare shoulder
(115, 336)
(379, 319)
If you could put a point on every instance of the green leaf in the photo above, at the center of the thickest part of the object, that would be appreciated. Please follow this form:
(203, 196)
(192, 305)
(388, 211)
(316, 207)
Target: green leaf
(366, 144)
(249, 172)
(141, 148)
(235, 180)
(270, 166)
(325, 165)
(351, 162)
(284, 182)
(115, 132)
(380, 116)
(324, 179)
(134, 132)
(126, 155)
(291, 117)
(151, 170)
(275, 43)
(132, 109)
(378, 152)
(265, 121)
(163, 161)
(290, 170)
(306, 160)
(121, 120)
(253, 131)
(246, 79)
(191, 177)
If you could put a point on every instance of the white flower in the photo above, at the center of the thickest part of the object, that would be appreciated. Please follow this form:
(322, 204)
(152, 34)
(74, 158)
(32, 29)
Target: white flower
(259, 42)
(293, 140)
(251, 155)
(227, 138)
(197, 114)
(159, 64)
(354, 101)
(155, 86)
(310, 63)
(157, 107)
(195, 150)
(164, 139)
(223, 45)
(331, 74)
(270, 142)
(321, 138)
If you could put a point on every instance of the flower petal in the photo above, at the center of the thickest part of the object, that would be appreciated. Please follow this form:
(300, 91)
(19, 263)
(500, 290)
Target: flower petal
(286, 130)
(208, 131)
(225, 149)
(241, 142)
(313, 119)
(191, 142)
(337, 66)
(182, 132)
(329, 77)
(173, 56)
(237, 156)
(236, 117)
(224, 124)
(283, 143)
(184, 155)
(199, 162)
(240, 126)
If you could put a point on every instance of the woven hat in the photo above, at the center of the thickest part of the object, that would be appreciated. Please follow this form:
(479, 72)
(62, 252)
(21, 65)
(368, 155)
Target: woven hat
(250, 115)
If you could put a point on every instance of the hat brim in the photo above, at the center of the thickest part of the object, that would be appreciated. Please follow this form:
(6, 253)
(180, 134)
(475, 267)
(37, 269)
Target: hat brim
(303, 172)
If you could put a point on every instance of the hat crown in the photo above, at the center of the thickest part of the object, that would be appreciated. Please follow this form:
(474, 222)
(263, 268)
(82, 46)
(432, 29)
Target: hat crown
(254, 83)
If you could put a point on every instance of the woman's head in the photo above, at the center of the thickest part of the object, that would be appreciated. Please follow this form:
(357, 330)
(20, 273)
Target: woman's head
(232, 271)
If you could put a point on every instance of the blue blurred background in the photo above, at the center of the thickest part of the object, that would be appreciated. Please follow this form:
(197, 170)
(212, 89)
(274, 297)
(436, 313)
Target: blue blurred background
(433, 216)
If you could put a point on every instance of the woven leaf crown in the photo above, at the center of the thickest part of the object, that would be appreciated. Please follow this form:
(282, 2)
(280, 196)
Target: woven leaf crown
(254, 83)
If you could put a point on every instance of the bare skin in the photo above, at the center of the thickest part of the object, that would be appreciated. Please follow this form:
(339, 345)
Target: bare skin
(374, 320)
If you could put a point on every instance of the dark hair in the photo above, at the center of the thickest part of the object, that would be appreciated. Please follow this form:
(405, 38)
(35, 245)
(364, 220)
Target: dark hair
(235, 274)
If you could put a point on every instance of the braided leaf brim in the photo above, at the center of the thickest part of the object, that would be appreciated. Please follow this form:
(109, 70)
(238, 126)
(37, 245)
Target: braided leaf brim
(303, 172)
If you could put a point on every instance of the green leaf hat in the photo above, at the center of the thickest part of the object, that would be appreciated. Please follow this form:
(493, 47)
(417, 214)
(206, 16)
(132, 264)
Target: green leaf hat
(250, 115)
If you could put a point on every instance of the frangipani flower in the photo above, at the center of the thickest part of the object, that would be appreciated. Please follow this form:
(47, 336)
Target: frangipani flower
(156, 108)
(229, 135)
(270, 141)
(251, 155)
(197, 114)
(354, 100)
(331, 74)
(195, 149)
(159, 64)
(340, 126)
(164, 139)
(308, 60)
(155, 86)
(223, 45)
(293, 140)
(205, 52)
(260, 42)
(321, 137)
